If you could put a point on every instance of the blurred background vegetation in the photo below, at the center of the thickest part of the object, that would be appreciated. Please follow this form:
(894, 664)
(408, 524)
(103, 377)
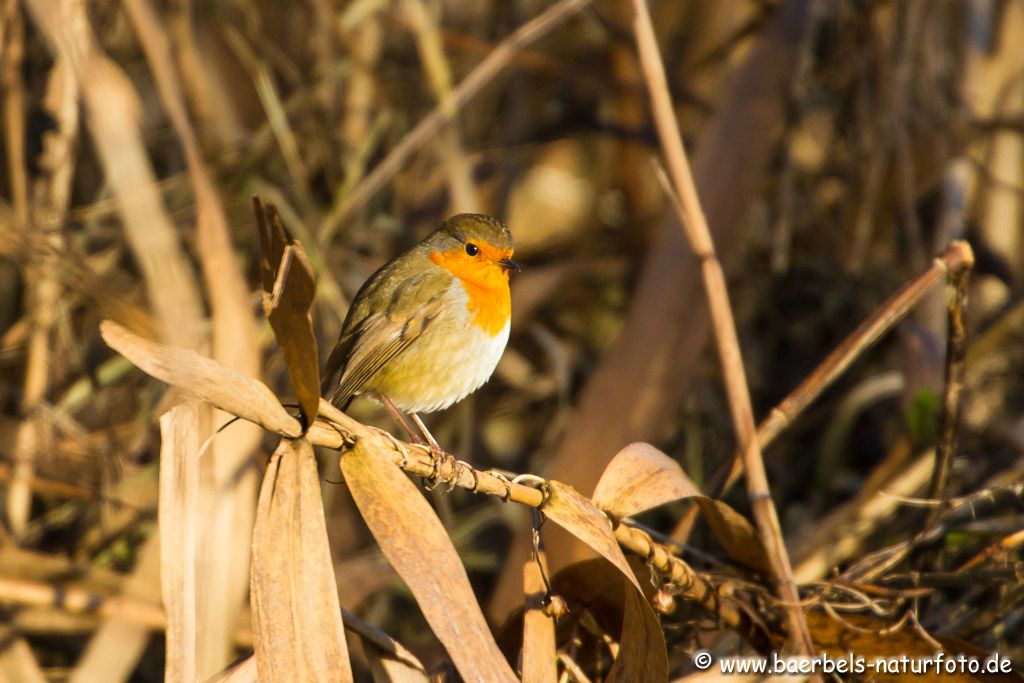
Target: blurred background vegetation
(838, 147)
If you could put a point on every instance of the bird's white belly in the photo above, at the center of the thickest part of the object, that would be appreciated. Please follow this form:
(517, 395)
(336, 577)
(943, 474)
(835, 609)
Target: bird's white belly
(452, 359)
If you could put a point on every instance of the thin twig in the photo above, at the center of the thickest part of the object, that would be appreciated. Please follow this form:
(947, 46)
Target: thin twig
(698, 235)
(334, 429)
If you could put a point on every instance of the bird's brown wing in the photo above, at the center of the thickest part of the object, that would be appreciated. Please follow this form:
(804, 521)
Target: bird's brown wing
(370, 342)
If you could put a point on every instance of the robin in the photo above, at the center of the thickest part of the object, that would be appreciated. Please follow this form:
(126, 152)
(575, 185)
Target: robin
(428, 328)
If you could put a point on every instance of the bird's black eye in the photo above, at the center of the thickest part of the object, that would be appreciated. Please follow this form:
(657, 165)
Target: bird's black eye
(472, 249)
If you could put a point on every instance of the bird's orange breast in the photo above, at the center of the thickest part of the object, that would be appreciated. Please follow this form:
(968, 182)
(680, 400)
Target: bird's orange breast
(486, 283)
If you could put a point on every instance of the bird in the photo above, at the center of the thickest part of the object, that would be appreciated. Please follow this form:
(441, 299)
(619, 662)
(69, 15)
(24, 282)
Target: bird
(429, 326)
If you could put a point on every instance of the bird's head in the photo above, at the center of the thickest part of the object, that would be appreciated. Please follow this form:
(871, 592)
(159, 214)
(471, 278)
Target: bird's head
(475, 248)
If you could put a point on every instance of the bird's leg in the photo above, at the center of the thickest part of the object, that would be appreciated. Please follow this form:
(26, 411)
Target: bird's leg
(441, 456)
(426, 432)
(400, 419)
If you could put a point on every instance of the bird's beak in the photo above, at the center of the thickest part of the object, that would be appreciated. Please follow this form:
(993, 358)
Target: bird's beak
(509, 264)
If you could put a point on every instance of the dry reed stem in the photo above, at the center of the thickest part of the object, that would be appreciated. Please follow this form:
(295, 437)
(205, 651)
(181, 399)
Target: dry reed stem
(539, 658)
(956, 348)
(27, 442)
(699, 236)
(428, 127)
(178, 528)
(229, 488)
(51, 192)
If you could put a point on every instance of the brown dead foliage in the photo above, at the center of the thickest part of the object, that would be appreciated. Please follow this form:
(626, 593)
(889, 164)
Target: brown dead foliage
(834, 190)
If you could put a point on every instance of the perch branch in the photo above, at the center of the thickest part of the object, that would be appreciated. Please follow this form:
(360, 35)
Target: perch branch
(698, 234)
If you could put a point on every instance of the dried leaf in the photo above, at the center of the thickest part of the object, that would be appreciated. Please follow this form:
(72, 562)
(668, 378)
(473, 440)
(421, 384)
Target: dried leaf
(415, 542)
(289, 288)
(297, 626)
(208, 379)
(178, 508)
(642, 652)
(577, 515)
(623, 612)
(641, 477)
(539, 655)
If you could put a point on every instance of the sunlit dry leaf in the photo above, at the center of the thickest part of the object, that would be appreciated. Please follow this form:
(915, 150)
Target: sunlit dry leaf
(624, 612)
(178, 509)
(539, 656)
(297, 626)
(577, 515)
(415, 542)
(641, 477)
(866, 635)
(208, 379)
(642, 652)
(289, 288)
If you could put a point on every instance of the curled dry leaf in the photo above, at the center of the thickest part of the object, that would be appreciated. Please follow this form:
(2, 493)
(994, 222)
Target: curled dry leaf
(208, 379)
(416, 544)
(641, 477)
(297, 627)
(539, 656)
(567, 508)
(289, 288)
(642, 652)
(617, 607)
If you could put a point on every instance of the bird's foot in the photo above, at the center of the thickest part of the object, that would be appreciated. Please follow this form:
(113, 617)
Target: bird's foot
(446, 469)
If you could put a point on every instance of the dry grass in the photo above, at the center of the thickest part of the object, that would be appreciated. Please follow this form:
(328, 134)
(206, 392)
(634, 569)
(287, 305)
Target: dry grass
(837, 235)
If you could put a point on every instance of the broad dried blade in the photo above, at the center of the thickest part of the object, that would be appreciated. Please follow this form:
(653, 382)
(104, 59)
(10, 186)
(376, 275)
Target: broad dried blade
(298, 632)
(416, 544)
(567, 508)
(228, 390)
(624, 612)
